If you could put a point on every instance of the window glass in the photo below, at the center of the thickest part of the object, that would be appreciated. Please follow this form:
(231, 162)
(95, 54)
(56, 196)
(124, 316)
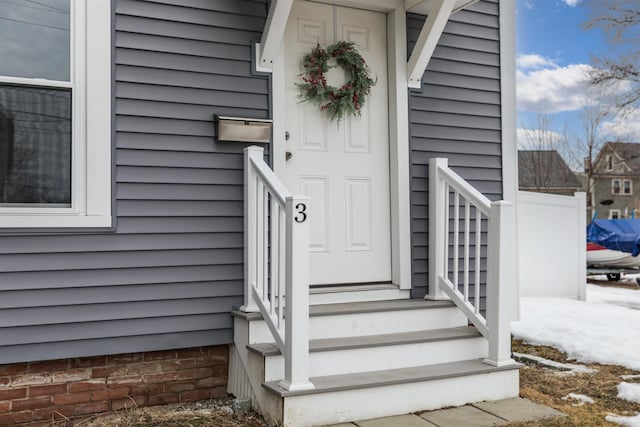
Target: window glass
(627, 186)
(35, 146)
(616, 186)
(35, 39)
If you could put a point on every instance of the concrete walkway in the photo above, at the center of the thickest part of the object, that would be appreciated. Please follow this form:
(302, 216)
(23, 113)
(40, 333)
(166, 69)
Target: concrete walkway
(481, 414)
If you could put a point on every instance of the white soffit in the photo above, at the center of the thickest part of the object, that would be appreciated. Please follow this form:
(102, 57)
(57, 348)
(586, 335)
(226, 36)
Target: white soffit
(424, 6)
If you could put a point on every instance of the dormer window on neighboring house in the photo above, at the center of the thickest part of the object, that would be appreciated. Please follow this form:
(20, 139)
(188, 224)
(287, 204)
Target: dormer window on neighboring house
(609, 160)
(615, 186)
(55, 114)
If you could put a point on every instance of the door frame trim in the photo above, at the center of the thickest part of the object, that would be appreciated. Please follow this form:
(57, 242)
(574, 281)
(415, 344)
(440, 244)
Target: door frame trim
(398, 140)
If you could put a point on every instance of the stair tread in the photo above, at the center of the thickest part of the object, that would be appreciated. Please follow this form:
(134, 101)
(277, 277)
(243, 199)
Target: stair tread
(361, 307)
(388, 377)
(328, 344)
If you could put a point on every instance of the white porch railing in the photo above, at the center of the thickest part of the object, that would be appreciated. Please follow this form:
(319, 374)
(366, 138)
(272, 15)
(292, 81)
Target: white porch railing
(455, 255)
(276, 263)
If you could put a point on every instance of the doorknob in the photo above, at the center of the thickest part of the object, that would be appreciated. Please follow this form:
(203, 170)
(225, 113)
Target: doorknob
(288, 156)
(287, 136)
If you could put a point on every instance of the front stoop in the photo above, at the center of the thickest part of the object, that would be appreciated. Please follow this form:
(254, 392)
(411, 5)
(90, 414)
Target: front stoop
(370, 360)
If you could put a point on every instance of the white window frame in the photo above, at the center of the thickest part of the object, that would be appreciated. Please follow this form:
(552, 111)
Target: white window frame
(609, 160)
(616, 212)
(630, 187)
(91, 120)
(613, 186)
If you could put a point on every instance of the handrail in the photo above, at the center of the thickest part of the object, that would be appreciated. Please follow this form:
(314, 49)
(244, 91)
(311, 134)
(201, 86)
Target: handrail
(276, 264)
(475, 218)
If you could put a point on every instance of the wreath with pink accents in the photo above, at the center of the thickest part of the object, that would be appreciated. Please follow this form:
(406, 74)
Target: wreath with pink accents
(336, 102)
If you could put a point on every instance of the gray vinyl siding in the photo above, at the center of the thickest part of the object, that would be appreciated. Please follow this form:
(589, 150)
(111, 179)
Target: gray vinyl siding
(456, 115)
(170, 273)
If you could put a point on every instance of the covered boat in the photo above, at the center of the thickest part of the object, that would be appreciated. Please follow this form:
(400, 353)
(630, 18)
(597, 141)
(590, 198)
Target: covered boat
(613, 243)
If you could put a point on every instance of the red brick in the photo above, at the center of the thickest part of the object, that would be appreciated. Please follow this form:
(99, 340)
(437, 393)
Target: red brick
(31, 403)
(177, 365)
(147, 389)
(71, 375)
(18, 368)
(71, 398)
(93, 384)
(90, 408)
(5, 406)
(43, 414)
(108, 394)
(159, 355)
(5, 381)
(211, 382)
(124, 359)
(116, 382)
(31, 379)
(37, 424)
(180, 387)
(209, 361)
(220, 371)
(160, 378)
(195, 373)
(47, 390)
(49, 366)
(13, 393)
(163, 399)
(203, 394)
(116, 371)
(62, 412)
(15, 418)
(144, 368)
(128, 403)
(185, 353)
(219, 350)
(88, 362)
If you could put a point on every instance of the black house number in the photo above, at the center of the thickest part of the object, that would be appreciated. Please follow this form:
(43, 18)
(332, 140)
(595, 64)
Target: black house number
(302, 215)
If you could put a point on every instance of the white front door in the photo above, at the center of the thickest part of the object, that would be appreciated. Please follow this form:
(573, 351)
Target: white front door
(343, 168)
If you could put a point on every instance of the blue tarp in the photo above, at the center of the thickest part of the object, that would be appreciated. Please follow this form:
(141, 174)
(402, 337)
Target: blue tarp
(616, 234)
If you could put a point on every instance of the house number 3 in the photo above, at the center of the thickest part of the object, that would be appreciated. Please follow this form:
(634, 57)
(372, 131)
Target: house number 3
(302, 212)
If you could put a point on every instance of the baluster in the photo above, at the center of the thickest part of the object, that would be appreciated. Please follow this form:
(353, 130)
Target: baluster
(476, 286)
(273, 239)
(466, 249)
(281, 260)
(265, 242)
(456, 236)
(446, 233)
(260, 285)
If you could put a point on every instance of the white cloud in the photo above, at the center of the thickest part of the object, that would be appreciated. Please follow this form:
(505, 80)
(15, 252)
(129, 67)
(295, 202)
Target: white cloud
(533, 61)
(538, 139)
(623, 127)
(529, 5)
(571, 3)
(543, 86)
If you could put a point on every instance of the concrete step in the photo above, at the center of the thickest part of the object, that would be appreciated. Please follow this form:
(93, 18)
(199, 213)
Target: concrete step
(365, 318)
(365, 395)
(379, 352)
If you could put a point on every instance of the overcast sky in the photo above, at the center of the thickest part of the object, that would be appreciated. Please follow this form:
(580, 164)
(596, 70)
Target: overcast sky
(552, 65)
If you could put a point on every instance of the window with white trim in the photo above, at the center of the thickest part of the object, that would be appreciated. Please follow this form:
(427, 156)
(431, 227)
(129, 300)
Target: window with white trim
(615, 186)
(614, 213)
(626, 187)
(609, 160)
(55, 114)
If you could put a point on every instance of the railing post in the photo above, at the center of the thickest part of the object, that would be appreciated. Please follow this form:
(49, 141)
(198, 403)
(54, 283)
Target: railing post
(501, 273)
(250, 227)
(438, 241)
(296, 354)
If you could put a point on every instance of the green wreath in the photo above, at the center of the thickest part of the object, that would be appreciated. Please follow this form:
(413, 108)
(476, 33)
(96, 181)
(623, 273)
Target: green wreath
(336, 102)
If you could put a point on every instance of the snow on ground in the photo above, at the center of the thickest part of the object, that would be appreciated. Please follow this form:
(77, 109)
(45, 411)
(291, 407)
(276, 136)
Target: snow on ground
(625, 421)
(629, 391)
(604, 329)
(581, 398)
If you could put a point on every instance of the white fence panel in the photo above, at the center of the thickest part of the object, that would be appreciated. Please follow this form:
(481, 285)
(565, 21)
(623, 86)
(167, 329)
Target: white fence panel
(552, 245)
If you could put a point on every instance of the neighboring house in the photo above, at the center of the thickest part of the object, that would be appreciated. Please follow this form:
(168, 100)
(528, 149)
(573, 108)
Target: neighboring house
(616, 181)
(544, 171)
(143, 260)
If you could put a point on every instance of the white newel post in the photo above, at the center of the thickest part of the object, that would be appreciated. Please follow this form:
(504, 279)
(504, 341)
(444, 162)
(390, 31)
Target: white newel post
(296, 369)
(250, 226)
(438, 245)
(501, 273)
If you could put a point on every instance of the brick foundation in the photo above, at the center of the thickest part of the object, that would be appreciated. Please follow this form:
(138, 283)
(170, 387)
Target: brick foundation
(37, 393)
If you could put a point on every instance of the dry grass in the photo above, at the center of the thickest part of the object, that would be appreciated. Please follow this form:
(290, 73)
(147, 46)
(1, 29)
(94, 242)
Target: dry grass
(548, 387)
